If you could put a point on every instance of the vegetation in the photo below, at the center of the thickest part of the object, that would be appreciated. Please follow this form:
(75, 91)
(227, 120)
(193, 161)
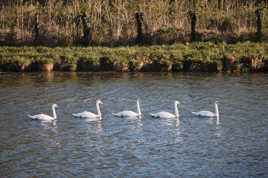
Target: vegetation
(157, 35)
(131, 22)
(195, 57)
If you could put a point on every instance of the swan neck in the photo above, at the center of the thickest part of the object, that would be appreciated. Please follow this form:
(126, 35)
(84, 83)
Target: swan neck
(176, 109)
(138, 107)
(54, 112)
(217, 114)
(216, 110)
(98, 109)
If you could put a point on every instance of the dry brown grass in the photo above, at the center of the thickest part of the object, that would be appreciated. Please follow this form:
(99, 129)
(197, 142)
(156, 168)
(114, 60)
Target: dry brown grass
(114, 23)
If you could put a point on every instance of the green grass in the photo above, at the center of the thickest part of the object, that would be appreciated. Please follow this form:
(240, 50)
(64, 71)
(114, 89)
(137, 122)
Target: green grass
(195, 57)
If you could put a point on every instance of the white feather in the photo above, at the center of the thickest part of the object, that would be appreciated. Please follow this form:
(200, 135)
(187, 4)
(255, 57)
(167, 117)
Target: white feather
(129, 113)
(44, 117)
(87, 114)
(167, 115)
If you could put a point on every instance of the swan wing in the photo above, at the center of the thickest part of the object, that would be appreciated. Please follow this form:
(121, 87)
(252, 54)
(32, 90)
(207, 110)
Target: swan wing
(126, 114)
(42, 117)
(163, 115)
(204, 114)
(85, 114)
(92, 119)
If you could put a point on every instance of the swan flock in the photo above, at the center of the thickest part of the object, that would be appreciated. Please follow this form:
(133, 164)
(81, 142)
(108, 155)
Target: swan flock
(126, 113)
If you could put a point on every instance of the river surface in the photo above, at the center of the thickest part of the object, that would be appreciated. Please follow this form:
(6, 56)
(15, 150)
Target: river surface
(237, 146)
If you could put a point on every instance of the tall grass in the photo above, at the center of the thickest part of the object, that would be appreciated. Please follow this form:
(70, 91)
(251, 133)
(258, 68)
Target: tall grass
(112, 22)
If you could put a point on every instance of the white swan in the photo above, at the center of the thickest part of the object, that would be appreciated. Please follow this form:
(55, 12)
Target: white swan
(208, 113)
(44, 117)
(167, 115)
(87, 114)
(130, 113)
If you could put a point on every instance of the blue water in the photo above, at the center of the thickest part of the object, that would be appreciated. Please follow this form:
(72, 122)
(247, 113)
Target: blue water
(146, 147)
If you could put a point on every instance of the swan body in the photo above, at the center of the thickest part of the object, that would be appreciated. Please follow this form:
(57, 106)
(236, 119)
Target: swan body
(129, 113)
(163, 115)
(87, 114)
(44, 117)
(208, 113)
(167, 115)
(204, 114)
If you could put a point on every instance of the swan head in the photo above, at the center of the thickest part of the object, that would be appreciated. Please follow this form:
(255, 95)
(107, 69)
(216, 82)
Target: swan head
(55, 106)
(216, 102)
(138, 100)
(99, 101)
(177, 102)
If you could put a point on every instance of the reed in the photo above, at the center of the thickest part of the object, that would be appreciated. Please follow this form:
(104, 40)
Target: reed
(121, 22)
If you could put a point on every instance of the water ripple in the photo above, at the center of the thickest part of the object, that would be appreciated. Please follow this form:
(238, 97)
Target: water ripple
(146, 147)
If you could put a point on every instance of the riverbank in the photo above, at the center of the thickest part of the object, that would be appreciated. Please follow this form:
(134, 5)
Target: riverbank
(189, 57)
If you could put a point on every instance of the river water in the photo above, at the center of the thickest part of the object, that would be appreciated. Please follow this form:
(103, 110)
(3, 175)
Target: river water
(146, 147)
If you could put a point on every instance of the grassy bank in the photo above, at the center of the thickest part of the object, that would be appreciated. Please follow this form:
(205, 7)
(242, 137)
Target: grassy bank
(192, 57)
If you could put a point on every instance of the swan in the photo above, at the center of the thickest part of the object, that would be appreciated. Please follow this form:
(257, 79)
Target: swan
(130, 113)
(168, 115)
(44, 117)
(87, 114)
(208, 113)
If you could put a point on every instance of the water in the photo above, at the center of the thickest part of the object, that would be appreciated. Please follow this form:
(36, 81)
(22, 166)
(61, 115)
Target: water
(116, 147)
